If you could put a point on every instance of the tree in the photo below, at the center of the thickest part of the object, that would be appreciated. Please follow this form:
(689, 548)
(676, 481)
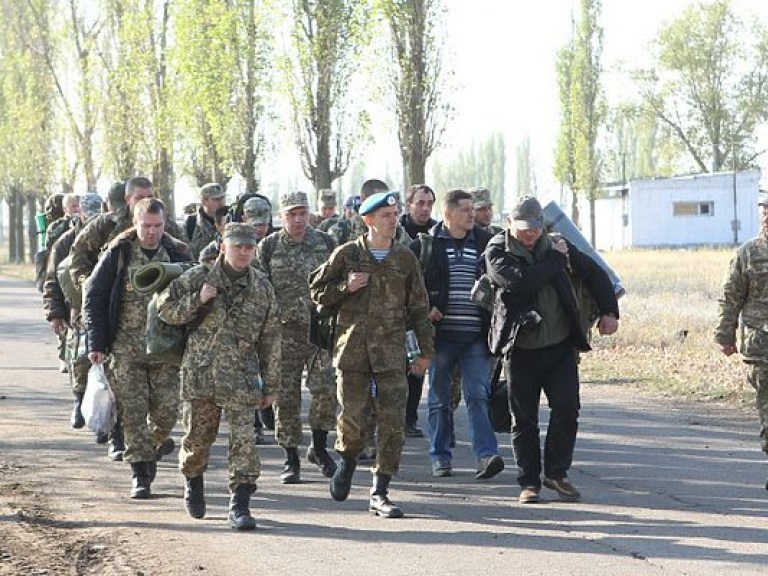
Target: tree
(526, 184)
(420, 81)
(565, 163)
(327, 37)
(710, 85)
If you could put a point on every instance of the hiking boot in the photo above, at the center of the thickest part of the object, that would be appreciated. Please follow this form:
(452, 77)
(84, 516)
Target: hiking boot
(116, 443)
(529, 495)
(292, 470)
(318, 453)
(164, 449)
(140, 489)
(441, 469)
(101, 437)
(268, 417)
(76, 419)
(239, 513)
(380, 504)
(341, 483)
(489, 467)
(194, 497)
(564, 489)
(413, 431)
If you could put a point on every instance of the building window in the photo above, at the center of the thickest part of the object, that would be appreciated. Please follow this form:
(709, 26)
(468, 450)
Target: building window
(693, 209)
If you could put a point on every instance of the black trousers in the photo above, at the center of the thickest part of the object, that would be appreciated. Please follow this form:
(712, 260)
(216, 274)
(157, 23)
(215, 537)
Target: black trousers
(554, 370)
(415, 388)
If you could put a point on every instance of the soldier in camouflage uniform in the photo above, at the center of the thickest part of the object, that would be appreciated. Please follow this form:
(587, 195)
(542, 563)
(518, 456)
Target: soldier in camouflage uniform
(377, 287)
(288, 256)
(484, 209)
(327, 215)
(146, 390)
(231, 363)
(200, 227)
(745, 295)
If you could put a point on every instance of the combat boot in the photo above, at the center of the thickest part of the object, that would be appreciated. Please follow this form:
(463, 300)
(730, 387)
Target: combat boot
(116, 443)
(380, 504)
(341, 483)
(292, 471)
(76, 419)
(141, 482)
(194, 498)
(318, 453)
(239, 514)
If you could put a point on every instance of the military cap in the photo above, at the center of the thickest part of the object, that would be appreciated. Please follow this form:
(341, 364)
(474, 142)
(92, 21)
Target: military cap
(294, 200)
(116, 194)
(257, 211)
(212, 191)
(481, 197)
(237, 233)
(90, 204)
(378, 200)
(762, 198)
(327, 198)
(528, 213)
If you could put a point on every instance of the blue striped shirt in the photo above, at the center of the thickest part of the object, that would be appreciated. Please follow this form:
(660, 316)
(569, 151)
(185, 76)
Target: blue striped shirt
(461, 315)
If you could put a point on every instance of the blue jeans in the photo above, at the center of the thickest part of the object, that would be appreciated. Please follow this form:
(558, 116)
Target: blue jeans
(474, 365)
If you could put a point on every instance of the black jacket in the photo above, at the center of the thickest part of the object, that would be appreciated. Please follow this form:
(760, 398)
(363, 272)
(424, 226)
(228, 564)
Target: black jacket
(414, 229)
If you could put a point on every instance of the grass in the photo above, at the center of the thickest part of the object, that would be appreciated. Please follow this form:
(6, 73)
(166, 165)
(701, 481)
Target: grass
(669, 292)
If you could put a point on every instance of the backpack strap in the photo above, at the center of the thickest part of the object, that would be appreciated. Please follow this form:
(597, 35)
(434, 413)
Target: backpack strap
(425, 254)
(190, 225)
(265, 258)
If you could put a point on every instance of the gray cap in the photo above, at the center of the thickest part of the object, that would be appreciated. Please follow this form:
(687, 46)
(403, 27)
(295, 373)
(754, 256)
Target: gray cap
(481, 197)
(90, 204)
(238, 233)
(327, 198)
(212, 191)
(527, 213)
(294, 200)
(257, 211)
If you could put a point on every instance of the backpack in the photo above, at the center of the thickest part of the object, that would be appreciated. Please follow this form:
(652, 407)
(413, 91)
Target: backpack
(425, 254)
(190, 225)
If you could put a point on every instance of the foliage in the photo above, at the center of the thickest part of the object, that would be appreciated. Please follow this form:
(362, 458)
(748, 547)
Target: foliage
(524, 175)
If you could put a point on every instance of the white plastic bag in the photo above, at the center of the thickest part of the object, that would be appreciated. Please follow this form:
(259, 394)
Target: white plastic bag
(98, 404)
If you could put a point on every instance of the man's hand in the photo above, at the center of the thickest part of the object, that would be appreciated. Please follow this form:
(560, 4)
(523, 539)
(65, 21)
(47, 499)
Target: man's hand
(561, 246)
(266, 402)
(97, 357)
(435, 315)
(208, 292)
(607, 325)
(58, 326)
(728, 349)
(356, 281)
(420, 366)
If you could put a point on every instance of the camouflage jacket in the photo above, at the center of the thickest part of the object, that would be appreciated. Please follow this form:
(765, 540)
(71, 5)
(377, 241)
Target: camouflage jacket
(93, 239)
(235, 338)
(288, 265)
(745, 294)
(57, 230)
(203, 233)
(371, 327)
(54, 303)
(345, 231)
(326, 224)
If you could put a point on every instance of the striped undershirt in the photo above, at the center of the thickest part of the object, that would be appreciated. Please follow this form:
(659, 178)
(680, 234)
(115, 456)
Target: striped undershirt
(379, 253)
(461, 314)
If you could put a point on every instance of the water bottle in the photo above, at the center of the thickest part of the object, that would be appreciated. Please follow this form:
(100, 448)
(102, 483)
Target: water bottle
(412, 349)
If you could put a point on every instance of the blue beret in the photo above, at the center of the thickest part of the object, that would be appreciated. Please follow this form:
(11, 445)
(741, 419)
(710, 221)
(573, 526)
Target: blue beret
(378, 200)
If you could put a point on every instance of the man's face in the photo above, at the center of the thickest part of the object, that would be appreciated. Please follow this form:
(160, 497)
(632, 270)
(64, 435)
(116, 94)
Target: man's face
(296, 221)
(526, 236)
(462, 217)
(210, 205)
(239, 256)
(149, 228)
(138, 194)
(260, 227)
(327, 212)
(383, 221)
(72, 206)
(484, 215)
(420, 207)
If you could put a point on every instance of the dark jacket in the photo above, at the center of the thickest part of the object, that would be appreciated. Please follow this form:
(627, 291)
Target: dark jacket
(413, 229)
(436, 270)
(104, 288)
(54, 303)
(520, 281)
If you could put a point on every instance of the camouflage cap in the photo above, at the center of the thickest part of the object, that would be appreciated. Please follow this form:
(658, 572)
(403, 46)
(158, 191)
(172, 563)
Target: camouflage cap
(294, 200)
(327, 198)
(116, 194)
(257, 211)
(237, 233)
(481, 197)
(90, 204)
(212, 191)
(527, 213)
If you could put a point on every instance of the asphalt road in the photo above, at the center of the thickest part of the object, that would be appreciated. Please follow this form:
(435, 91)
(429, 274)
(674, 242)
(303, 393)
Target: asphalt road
(669, 488)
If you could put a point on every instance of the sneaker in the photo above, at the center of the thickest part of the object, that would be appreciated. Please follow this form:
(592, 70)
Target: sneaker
(441, 469)
(564, 488)
(413, 431)
(489, 467)
(529, 495)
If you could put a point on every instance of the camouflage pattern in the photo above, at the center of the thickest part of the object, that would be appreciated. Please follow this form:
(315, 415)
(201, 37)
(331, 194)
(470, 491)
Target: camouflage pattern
(745, 294)
(231, 361)
(328, 223)
(354, 228)
(58, 228)
(201, 420)
(203, 234)
(173, 228)
(93, 238)
(77, 358)
(289, 267)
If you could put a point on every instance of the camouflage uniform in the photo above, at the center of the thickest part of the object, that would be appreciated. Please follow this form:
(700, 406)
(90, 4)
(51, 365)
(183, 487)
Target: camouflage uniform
(348, 230)
(231, 361)
(94, 237)
(369, 355)
(745, 294)
(288, 268)
(203, 233)
(328, 223)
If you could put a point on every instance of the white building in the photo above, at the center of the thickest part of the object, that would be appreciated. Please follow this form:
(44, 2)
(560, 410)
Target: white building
(701, 209)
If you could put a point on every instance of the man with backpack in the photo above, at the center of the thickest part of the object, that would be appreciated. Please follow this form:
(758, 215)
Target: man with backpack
(200, 227)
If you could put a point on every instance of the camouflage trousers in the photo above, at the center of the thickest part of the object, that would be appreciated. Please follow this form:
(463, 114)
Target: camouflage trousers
(758, 378)
(296, 354)
(77, 360)
(147, 398)
(201, 426)
(356, 398)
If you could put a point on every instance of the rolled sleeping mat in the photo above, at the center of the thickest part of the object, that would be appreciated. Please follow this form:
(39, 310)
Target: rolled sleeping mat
(555, 220)
(155, 276)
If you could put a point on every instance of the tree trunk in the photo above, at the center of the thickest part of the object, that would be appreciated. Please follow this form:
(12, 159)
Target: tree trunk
(164, 180)
(32, 226)
(575, 208)
(11, 226)
(592, 226)
(18, 226)
(413, 168)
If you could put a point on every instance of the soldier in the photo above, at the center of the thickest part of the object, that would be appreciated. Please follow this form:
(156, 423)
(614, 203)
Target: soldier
(745, 296)
(377, 287)
(200, 227)
(288, 257)
(231, 363)
(146, 391)
(484, 209)
(58, 307)
(116, 197)
(327, 216)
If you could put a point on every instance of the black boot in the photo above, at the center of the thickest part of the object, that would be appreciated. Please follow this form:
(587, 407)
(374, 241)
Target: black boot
(141, 482)
(292, 471)
(380, 504)
(116, 442)
(239, 514)
(318, 454)
(341, 483)
(194, 498)
(258, 429)
(76, 419)
(268, 417)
